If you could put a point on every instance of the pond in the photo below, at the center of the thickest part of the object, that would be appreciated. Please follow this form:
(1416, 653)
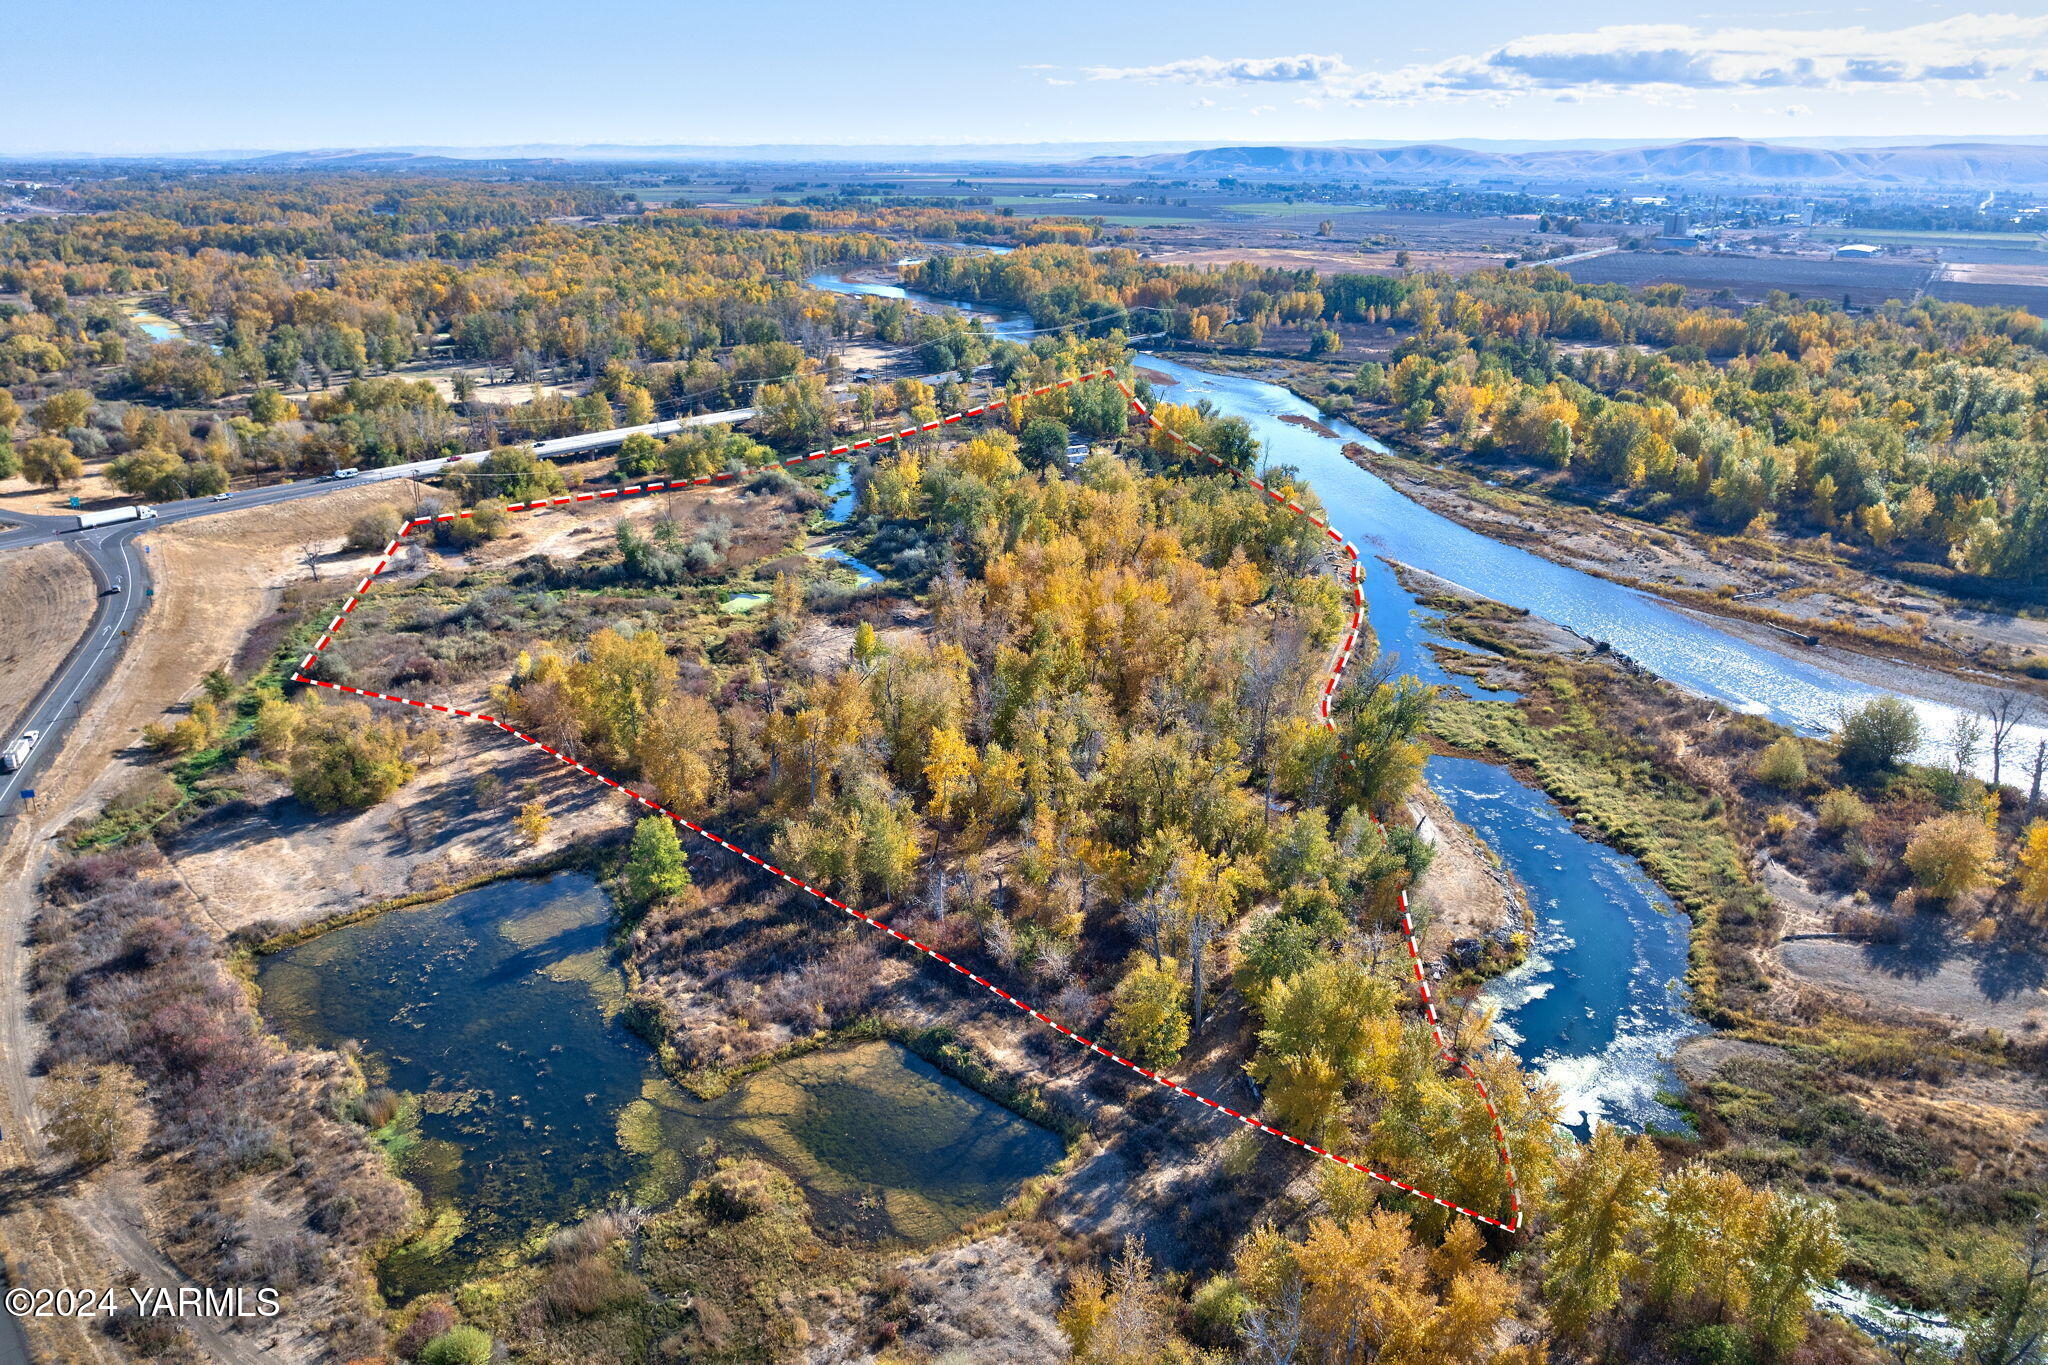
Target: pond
(526, 1101)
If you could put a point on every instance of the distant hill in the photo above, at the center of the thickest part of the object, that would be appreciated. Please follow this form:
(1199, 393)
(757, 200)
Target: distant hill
(1722, 160)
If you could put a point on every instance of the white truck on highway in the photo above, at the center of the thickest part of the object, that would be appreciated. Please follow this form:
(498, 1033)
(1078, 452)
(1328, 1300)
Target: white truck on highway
(132, 512)
(17, 752)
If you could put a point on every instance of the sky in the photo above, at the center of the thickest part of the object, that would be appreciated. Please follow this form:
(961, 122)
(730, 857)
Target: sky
(115, 76)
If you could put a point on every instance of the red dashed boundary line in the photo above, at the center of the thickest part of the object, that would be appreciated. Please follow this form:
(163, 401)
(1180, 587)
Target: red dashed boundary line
(1354, 577)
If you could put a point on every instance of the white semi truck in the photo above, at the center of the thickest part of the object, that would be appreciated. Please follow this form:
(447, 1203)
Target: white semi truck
(17, 752)
(132, 512)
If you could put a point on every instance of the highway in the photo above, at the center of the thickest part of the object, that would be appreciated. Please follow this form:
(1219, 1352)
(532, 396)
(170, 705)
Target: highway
(115, 558)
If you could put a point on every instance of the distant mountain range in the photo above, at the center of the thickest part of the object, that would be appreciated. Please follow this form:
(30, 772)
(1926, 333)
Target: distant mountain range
(1723, 160)
(1844, 162)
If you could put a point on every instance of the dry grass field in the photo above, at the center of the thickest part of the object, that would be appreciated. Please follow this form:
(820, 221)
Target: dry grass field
(46, 602)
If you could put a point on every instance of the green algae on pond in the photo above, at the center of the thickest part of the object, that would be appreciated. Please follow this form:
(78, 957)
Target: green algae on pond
(527, 1102)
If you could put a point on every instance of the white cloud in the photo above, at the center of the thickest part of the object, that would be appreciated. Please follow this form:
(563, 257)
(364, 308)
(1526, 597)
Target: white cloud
(1649, 58)
(1307, 66)
(1202, 102)
(1259, 109)
(1055, 80)
(1796, 110)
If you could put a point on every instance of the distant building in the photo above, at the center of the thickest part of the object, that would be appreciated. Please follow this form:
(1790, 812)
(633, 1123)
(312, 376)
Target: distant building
(1857, 251)
(1074, 194)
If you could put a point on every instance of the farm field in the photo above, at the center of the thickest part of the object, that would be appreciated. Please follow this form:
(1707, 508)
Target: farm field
(1915, 237)
(1748, 278)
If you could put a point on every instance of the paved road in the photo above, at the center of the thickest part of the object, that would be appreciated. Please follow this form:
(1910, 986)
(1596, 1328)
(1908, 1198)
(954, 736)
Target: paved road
(116, 559)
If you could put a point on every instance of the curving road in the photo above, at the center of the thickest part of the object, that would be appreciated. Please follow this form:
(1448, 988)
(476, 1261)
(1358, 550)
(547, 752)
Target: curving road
(116, 560)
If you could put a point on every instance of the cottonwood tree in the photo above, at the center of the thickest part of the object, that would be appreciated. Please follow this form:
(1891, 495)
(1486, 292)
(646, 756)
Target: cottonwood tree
(1597, 1207)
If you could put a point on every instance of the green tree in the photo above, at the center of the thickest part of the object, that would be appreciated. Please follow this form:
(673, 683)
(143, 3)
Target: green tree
(656, 866)
(1149, 1020)
(10, 463)
(639, 456)
(509, 474)
(270, 407)
(1877, 736)
(1043, 443)
(2009, 1321)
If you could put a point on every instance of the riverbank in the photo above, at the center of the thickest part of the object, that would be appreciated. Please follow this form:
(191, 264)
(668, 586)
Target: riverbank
(1770, 589)
(1893, 1115)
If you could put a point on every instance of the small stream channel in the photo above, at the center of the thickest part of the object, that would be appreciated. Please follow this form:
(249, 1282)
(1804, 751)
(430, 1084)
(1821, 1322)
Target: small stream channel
(495, 1014)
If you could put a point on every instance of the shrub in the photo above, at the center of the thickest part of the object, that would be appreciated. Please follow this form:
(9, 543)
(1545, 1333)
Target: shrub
(430, 1322)
(584, 1287)
(96, 1113)
(346, 758)
(1877, 736)
(1216, 1310)
(378, 1106)
(741, 1188)
(373, 530)
(1842, 811)
(1783, 765)
(463, 1345)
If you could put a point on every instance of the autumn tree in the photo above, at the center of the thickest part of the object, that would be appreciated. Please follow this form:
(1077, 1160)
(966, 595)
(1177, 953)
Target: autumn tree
(50, 460)
(1324, 1030)
(61, 411)
(2033, 869)
(1149, 1018)
(1950, 854)
(1599, 1203)
(1797, 1250)
(533, 822)
(346, 758)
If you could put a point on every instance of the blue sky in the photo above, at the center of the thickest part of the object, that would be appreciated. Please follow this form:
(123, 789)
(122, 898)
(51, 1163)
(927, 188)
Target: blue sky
(117, 76)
